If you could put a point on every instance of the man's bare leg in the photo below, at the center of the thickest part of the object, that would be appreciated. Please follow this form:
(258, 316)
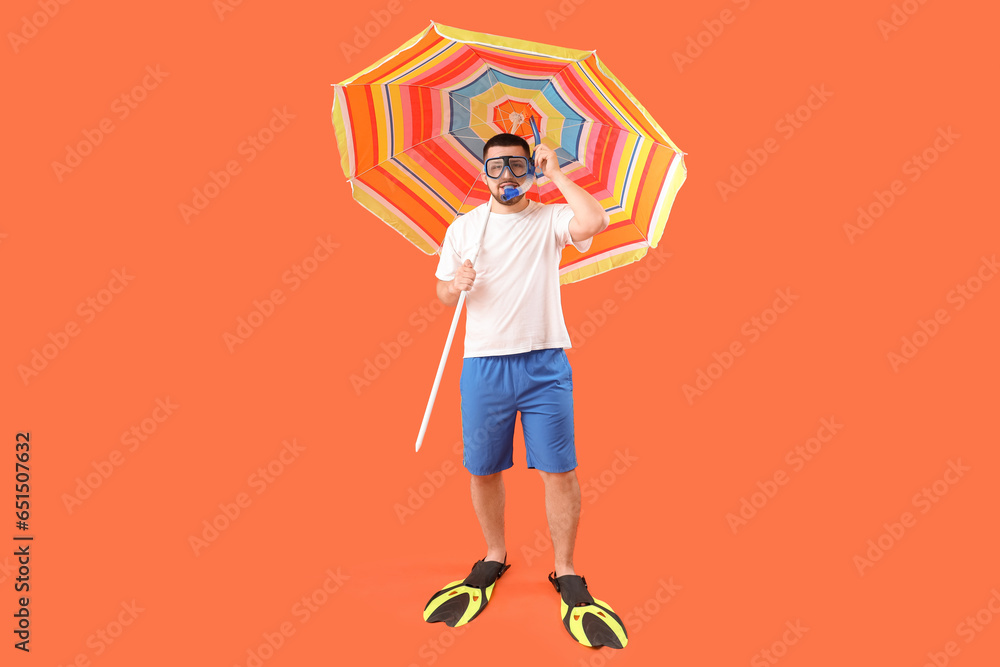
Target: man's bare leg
(488, 497)
(562, 507)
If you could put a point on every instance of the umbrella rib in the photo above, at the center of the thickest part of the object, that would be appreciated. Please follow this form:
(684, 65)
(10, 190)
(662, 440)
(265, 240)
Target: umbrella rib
(468, 107)
(434, 192)
(496, 82)
(630, 126)
(401, 152)
(489, 72)
(412, 85)
(467, 195)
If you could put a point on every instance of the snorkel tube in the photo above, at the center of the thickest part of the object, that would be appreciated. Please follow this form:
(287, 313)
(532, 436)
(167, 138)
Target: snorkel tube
(512, 192)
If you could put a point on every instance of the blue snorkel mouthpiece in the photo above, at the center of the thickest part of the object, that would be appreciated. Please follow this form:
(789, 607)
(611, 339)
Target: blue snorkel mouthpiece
(511, 192)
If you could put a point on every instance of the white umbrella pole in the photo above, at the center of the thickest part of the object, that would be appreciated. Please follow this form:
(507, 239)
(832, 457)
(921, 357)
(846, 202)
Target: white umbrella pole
(440, 370)
(451, 336)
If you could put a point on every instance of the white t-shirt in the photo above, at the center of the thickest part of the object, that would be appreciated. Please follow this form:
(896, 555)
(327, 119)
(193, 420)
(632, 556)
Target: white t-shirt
(514, 305)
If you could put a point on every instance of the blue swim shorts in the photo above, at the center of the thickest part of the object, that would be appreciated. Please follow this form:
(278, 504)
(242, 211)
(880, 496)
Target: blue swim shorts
(539, 385)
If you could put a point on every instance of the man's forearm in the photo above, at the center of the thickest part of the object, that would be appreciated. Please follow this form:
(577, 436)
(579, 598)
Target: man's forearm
(591, 218)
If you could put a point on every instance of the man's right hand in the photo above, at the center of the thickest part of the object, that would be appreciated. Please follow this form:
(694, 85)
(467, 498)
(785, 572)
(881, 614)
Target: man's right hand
(464, 278)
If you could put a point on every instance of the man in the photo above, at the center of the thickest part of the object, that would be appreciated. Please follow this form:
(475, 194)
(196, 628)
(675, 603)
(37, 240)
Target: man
(515, 362)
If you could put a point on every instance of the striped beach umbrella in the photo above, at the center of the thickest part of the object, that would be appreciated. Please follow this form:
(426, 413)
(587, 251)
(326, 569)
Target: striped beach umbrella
(411, 130)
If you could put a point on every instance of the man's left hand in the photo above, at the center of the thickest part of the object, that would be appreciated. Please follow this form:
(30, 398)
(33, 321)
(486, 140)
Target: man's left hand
(547, 161)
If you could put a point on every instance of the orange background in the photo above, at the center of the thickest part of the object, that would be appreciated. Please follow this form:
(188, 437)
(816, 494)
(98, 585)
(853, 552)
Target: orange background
(334, 504)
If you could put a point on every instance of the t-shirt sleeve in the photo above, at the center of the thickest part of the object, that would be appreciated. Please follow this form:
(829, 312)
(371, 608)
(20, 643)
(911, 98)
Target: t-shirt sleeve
(561, 219)
(448, 258)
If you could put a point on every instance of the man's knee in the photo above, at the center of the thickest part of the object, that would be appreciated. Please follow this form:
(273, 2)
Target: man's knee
(558, 478)
(486, 480)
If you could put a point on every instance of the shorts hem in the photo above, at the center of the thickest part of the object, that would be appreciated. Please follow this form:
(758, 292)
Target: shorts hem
(554, 472)
(484, 474)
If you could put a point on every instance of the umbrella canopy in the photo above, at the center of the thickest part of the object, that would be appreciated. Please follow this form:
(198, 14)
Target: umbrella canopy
(411, 130)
